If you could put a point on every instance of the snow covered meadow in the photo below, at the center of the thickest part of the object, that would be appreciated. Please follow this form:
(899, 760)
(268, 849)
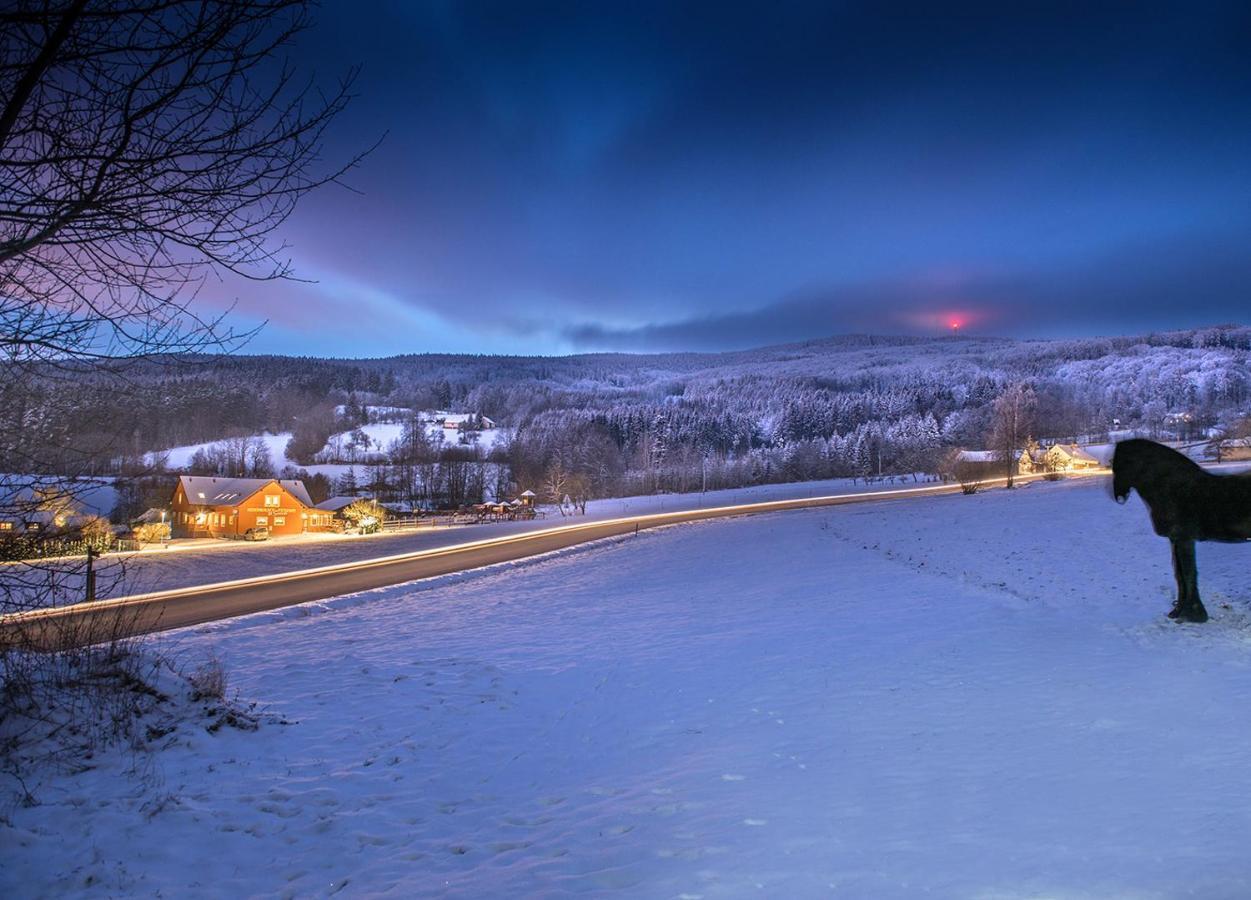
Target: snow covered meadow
(960, 696)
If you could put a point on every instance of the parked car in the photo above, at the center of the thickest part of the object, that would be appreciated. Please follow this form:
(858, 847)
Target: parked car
(259, 533)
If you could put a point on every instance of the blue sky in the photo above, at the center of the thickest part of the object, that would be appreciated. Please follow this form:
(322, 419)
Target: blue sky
(573, 177)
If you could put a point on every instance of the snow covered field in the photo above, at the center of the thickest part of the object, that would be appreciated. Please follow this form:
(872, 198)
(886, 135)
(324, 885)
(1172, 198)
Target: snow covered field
(959, 697)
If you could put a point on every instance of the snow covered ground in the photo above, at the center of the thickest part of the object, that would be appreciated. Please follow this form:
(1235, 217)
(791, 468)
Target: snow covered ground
(960, 697)
(381, 435)
(178, 458)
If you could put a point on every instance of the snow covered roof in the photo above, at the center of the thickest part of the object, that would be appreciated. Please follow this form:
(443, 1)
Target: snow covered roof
(1075, 452)
(978, 456)
(334, 504)
(528, 494)
(204, 490)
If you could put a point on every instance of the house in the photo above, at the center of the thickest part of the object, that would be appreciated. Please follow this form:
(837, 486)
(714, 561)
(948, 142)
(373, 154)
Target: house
(336, 504)
(31, 510)
(332, 510)
(1057, 458)
(367, 518)
(1068, 458)
(206, 506)
(978, 457)
(1230, 450)
(464, 421)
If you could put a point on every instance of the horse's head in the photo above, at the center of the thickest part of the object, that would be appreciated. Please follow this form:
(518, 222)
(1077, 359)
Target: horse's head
(1139, 465)
(1126, 464)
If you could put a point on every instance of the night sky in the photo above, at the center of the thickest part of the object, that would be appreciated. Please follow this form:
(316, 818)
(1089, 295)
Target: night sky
(581, 177)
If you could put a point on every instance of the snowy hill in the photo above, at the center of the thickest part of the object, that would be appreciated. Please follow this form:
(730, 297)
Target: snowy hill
(179, 458)
(882, 701)
(371, 442)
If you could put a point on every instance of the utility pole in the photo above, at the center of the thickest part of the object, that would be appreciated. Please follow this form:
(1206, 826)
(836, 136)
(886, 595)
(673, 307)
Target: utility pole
(92, 553)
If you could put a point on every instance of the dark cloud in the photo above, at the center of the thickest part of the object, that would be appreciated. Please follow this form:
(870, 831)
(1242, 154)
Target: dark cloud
(1185, 283)
(626, 164)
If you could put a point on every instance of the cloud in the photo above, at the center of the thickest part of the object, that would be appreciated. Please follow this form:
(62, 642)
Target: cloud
(1154, 285)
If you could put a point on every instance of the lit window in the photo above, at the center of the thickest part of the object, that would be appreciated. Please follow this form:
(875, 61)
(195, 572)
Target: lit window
(6, 526)
(280, 520)
(262, 520)
(200, 518)
(272, 499)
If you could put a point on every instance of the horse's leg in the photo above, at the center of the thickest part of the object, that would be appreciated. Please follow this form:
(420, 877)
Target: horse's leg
(1189, 606)
(1179, 577)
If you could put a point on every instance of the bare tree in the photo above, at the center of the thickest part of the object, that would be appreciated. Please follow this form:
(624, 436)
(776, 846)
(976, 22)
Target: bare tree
(1013, 415)
(555, 484)
(145, 145)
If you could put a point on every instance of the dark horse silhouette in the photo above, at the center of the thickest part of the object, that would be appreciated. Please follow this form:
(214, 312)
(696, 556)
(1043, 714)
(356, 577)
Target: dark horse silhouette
(1187, 504)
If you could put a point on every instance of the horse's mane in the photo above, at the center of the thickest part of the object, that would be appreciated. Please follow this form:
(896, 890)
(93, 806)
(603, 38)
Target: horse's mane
(1139, 451)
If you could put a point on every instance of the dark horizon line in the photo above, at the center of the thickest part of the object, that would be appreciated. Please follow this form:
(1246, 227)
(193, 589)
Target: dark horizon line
(902, 337)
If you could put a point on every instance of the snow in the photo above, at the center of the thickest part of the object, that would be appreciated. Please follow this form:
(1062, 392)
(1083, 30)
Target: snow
(920, 696)
(381, 435)
(180, 457)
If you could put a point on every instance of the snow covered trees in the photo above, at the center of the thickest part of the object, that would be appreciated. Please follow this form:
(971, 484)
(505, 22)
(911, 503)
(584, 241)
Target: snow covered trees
(1013, 415)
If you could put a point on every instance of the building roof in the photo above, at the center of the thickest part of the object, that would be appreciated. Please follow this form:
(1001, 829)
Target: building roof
(205, 490)
(1075, 452)
(976, 456)
(334, 504)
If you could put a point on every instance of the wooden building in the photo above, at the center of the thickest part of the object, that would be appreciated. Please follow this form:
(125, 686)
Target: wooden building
(204, 506)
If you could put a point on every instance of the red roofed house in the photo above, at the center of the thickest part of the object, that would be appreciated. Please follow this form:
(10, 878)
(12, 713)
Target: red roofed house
(204, 506)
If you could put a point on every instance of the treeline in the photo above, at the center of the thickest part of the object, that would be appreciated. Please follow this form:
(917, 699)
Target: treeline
(853, 405)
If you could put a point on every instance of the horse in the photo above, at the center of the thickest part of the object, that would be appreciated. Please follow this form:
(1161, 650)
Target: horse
(1187, 504)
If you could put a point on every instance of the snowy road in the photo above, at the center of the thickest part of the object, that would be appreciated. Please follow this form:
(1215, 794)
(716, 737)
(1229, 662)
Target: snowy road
(951, 697)
(165, 610)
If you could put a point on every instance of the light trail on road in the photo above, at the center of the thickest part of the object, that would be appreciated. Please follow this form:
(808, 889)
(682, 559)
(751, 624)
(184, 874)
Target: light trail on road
(104, 620)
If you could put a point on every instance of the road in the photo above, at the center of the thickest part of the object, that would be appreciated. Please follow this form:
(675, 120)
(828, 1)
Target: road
(105, 620)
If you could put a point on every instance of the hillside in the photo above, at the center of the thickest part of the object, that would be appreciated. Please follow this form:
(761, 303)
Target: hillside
(841, 407)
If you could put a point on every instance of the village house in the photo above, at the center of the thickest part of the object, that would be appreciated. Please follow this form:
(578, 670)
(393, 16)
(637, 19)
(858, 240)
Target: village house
(1057, 458)
(334, 507)
(29, 510)
(1230, 450)
(464, 421)
(205, 506)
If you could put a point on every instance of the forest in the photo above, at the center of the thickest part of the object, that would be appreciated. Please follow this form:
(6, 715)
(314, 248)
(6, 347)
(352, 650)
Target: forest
(612, 424)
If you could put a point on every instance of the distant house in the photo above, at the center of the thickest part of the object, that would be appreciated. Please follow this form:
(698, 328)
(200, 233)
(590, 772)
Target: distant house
(974, 466)
(1231, 450)
(977, 457)
(465, 421)
(29, 510)
(1057, 458)
(1068, 458)
(204, 506)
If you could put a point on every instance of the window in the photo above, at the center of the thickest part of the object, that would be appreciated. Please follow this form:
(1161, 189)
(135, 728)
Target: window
(273, 499)
(6, 526)
(262, 520)
(280, 520)
(199, 519)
